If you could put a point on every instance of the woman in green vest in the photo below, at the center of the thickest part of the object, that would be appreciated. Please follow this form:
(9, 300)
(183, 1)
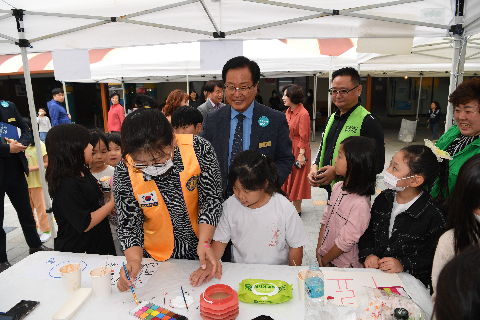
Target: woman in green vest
(461, 141)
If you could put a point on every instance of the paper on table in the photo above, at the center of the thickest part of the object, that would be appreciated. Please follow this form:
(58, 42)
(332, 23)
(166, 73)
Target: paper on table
(49, 268)
(343, 285)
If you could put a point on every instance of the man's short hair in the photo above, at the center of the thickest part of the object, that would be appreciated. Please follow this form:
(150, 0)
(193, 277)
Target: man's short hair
(348, 71)
(211, 84)
(57, 91)
(242, 62)
(185, 116)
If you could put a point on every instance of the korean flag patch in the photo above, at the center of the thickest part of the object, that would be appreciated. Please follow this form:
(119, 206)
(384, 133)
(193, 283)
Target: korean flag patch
(148, 199)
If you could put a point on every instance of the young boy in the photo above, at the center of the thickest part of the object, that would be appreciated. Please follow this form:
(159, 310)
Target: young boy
(43, 124)
(114, 149)
(187, 120)
(58, 114)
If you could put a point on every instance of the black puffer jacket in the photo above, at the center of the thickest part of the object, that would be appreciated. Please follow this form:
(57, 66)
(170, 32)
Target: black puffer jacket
(414, 236)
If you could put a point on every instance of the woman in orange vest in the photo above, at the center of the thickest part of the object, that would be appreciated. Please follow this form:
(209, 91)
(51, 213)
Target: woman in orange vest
(167, 193)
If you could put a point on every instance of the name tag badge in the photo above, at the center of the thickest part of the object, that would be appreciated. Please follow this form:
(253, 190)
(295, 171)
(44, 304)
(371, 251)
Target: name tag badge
(265, 144)
(11, 119)
(148, 199)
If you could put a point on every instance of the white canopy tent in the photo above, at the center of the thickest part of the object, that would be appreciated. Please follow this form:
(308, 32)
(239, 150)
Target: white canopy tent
(87, 24)
(432, 56)
(174, 62)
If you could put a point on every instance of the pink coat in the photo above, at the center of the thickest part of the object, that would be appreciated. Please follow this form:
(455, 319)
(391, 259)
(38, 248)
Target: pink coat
(346, 218)
(116, 115)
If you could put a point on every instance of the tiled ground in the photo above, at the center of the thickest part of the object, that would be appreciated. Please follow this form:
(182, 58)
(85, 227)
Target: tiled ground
(312, 210)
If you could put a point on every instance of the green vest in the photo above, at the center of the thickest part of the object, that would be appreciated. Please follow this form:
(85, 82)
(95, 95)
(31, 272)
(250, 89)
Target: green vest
(458, 160)
(351, 128)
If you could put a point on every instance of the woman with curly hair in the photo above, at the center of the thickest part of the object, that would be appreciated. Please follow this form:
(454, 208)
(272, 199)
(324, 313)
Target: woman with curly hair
(176, 99)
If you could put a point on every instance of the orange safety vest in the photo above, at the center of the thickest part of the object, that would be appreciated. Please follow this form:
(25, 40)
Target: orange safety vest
(158, 228)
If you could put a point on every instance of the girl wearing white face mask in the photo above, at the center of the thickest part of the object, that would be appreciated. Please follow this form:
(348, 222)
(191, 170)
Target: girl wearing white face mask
(463, 219)
(405, 224)
(167, 194)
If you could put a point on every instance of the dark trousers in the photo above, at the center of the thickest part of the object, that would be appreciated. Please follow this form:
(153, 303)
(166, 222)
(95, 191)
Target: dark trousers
(15, 186)
(434, 128)
(328, 188)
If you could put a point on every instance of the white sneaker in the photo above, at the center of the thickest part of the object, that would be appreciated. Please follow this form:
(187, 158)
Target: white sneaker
(45, 236)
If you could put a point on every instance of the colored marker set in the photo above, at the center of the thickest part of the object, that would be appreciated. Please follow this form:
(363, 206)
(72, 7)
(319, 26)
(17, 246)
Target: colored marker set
(149, 311)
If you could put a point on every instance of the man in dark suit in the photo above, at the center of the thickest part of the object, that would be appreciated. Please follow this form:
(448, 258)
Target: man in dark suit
(13, 167)
(264, 130)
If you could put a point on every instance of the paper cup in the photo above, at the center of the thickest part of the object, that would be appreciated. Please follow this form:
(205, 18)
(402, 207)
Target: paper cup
(105, 182)
(101, 281)
(71, 277)
(301, 285)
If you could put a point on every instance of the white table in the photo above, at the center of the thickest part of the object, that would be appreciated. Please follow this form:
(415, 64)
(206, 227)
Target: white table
(170, 276)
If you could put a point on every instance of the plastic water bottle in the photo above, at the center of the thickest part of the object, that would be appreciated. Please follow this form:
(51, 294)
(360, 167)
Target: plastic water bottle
(330, 310)
(313, 292)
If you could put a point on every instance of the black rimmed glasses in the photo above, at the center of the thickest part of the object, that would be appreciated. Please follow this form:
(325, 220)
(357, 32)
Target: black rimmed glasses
(342, 92)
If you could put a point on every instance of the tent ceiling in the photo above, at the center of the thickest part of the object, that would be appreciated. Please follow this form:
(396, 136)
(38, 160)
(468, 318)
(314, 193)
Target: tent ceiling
(87, 24)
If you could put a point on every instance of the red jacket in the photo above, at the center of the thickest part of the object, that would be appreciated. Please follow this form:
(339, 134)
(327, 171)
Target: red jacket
(116, 115)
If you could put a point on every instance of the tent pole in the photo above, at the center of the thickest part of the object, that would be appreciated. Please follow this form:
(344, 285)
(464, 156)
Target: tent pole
(66, 98)
(124, 101)
(419, 94)
(314, 106)
(103, 92)
(33, 117)
(456, 77)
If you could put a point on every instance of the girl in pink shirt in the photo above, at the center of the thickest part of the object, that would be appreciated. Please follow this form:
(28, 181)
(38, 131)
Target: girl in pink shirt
(347, 214)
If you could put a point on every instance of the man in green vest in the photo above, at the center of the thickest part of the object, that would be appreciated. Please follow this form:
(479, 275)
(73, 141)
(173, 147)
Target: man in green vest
(350, 119)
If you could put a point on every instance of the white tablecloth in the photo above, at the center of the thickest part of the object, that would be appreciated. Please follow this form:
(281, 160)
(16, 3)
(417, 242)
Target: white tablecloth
(170, 276)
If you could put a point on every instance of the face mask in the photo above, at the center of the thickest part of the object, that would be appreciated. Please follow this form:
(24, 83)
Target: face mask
(157, 171)
(391, 181)
(274, 95)
(308, 94)
(477, 217)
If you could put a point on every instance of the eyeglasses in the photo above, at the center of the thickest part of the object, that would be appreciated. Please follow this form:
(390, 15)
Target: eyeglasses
(232, 89)
(342, 92)
(154, 164)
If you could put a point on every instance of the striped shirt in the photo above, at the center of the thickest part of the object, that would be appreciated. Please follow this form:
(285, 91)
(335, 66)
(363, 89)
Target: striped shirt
(130, 215)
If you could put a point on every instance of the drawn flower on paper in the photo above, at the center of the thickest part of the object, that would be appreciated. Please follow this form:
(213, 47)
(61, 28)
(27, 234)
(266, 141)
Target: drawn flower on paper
(275, 232)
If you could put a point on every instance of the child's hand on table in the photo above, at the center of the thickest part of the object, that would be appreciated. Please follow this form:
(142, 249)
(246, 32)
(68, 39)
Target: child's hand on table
(372, 261)
(390, 265)
(197, 277)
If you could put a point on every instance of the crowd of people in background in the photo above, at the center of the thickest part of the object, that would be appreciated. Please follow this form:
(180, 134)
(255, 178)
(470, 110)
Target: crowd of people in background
(203, 179)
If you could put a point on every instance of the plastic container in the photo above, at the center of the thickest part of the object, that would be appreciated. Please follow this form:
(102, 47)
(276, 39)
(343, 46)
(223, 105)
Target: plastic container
(219, 302)
(401, 314)
(313, 292)
(330, 309)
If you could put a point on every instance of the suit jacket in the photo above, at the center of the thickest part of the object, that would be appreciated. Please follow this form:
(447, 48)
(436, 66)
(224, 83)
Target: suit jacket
(276, 136)
(11, 116)
(207, 107)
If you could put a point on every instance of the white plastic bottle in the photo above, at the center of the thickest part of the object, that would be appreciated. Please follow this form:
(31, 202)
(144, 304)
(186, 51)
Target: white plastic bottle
(313, 292)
